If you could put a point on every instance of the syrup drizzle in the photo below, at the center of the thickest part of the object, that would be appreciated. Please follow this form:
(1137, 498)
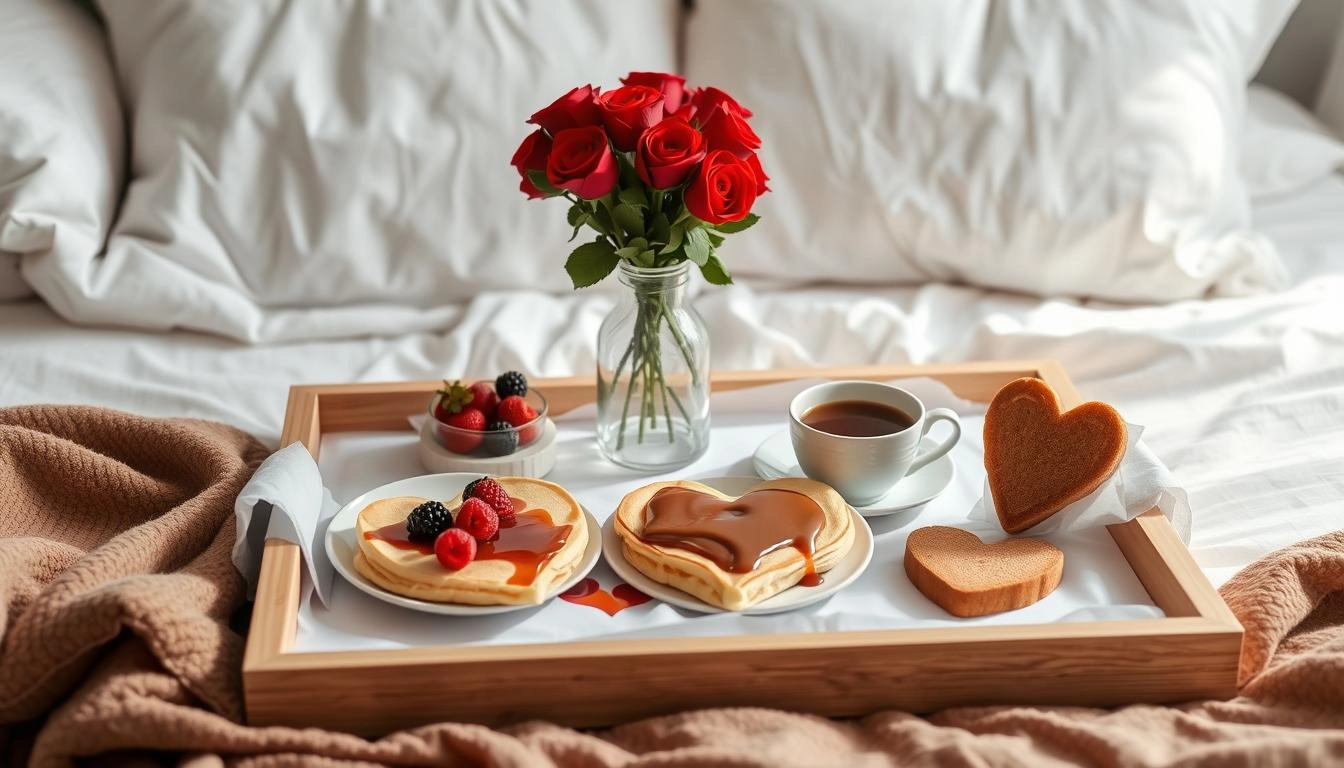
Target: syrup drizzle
(736, 534)
(528, 541)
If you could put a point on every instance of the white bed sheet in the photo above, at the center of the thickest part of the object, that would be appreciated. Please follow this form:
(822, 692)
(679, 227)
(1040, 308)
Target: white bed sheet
(1243, 398)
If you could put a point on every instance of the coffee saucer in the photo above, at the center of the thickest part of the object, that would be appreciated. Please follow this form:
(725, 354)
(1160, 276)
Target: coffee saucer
(775, 459)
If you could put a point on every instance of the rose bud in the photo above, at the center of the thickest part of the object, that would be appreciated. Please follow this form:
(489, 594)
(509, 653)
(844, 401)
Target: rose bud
(726, 129)
(723, 190)
(673, 87)
(628, 111)
(582, 162)
(667, 153)
(531, 156)
(576, 109)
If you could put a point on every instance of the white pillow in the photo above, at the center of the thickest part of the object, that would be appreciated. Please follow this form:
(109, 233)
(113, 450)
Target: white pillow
(317, 168)
(61, 154)
(1330, 101)
(1079, 148)
(1285, 148)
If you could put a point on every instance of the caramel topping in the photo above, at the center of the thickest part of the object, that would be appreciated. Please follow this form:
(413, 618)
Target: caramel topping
(529, 541)
(735, 534)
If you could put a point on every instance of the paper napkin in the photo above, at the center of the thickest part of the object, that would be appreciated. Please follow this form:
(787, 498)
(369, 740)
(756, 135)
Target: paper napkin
(285, 499)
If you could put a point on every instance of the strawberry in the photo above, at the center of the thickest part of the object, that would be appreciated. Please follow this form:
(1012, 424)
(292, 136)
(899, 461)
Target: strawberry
(452, 398)
(478, 518)
(516, 411)
(469, 432)
(489, 490)
(455, 549)
(483, 397)
(455, 410)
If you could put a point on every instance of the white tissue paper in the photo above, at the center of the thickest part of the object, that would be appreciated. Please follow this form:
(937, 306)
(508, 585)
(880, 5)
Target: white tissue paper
(1140, 483)
(285, 499)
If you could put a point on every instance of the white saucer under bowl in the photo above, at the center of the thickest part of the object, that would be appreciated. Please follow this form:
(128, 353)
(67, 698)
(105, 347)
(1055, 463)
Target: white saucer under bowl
(850, 567)
(775, 459)
(532, 460)
(342, 544)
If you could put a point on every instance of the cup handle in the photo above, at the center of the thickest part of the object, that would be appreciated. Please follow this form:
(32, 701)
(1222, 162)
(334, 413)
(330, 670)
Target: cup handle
(937, 414)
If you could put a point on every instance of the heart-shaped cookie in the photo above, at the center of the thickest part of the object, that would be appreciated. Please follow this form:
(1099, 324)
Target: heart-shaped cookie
(1040, 459)
(967, 577)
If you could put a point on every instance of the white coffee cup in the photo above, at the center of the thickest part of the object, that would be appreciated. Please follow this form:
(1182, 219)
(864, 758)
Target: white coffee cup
(863, 469)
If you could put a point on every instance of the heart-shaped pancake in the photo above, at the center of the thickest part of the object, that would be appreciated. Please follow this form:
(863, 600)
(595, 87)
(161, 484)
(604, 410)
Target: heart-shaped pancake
(733, 552)
(1040, 459)
(967, 577)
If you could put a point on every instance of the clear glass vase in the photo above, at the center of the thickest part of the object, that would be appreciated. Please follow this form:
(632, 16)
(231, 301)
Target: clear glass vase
(653, 373)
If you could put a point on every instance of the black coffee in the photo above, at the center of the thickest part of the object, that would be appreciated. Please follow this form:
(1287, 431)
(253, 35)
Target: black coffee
(857, 418)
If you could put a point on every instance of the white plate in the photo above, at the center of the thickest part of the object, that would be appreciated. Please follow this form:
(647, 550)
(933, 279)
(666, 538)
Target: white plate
(775, 459)
(845, 572)
(342, 544)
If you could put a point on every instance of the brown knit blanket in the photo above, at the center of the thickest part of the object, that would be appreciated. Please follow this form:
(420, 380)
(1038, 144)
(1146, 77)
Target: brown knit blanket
(117, 649)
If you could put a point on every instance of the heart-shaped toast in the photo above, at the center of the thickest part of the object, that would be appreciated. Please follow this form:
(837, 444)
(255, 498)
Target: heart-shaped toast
(1040, 459)
(967, 577)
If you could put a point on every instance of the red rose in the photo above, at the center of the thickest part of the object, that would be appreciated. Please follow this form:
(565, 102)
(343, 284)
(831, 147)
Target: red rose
(581, 161)
(628, 111)
(726, 129)
(575, 109)
(668, 152)
(761, 178)
(724, 190)
(705, 100)
(673, 87)
(531, 156)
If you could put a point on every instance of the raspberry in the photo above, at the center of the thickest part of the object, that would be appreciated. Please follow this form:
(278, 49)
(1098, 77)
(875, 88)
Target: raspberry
(471, 487)
(489, 490)
(511, 383)
(478, 518)
(427, 521)
(516, 411)
(455, 549)
(500, 439)
(484, 398)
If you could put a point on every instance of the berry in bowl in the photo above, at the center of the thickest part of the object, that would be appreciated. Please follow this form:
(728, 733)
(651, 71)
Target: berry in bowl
(487, 419)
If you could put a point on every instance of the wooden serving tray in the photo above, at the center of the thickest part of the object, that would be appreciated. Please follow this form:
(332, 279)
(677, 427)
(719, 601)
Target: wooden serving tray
(1192, 653)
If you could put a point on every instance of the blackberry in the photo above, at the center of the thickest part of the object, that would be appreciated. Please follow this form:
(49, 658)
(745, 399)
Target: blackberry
(427, 521)
(511, 383)
(500, 439)
(471, 487)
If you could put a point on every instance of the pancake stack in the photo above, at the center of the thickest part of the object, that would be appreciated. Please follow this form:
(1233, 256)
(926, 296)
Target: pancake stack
(703, 576)
(556, 537)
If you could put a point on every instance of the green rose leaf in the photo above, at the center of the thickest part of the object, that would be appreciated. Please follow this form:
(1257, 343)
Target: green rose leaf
(628, 253)
(714, 272)
(715, 240)
(591, 262)
(634, 196)
(539, 180)
(675, 236)
(729, 227)
(578, 216)
(630, 219)
(697, 246)
(660, 231)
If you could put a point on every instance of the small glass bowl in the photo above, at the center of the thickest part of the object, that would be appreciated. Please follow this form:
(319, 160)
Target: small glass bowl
(468, 442)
